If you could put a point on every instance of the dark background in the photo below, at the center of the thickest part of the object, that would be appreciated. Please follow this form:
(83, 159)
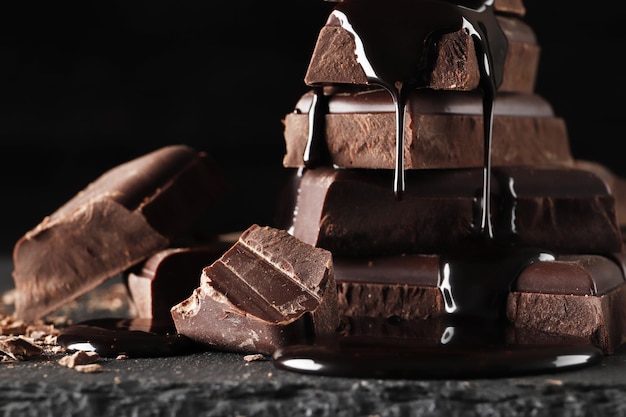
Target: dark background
(87, 85)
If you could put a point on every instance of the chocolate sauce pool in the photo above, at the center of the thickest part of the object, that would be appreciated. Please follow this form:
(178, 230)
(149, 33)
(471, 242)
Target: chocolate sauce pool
(395, 42)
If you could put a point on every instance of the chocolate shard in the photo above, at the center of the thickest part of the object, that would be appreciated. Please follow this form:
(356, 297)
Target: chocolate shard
(266, 291)
(334, 60)
(167, 278)
(354, 213)
(579, 296)
(127, 214)
(443, 129)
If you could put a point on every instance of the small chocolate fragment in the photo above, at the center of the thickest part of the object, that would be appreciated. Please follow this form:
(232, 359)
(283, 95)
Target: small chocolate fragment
(334, 59)
(129, 213)
(443, 129)
(19, 347)
(167, 278)
(267, 290)
(354, 213)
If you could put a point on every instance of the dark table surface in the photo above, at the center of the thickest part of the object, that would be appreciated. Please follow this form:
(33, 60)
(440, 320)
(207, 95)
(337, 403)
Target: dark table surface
(213, 383)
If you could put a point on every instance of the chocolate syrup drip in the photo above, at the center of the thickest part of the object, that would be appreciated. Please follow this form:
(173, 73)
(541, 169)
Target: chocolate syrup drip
(316, 152)
(476, 282)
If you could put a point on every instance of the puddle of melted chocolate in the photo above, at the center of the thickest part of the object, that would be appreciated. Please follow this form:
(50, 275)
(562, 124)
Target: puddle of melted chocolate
(410, 358)
(110, 337)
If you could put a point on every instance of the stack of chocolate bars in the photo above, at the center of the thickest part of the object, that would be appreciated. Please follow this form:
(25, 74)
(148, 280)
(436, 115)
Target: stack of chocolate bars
(390, 254)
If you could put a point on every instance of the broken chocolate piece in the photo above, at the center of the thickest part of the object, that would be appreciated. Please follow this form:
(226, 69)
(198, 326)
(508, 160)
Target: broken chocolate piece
(580, 296)
(334, 59)
(167, 278)
(443, 129)
(268, 290)
(127, 214)
(402, 286)
(19, 347)
(353, 212)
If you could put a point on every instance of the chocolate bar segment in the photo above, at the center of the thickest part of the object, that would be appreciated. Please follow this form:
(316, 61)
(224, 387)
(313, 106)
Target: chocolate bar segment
(126, 215)
(443, 129)
(334, 59)
(167, 278)
(353, 212)
(580, 296)
(402, 286)
(268, 290)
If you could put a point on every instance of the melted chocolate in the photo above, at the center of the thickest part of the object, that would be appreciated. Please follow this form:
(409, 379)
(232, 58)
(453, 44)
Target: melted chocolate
(383, 357)
(111, 337)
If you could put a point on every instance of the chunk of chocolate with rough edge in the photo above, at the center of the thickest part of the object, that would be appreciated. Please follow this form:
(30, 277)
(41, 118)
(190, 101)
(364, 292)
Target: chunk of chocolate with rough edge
(581, 297)
(267, 290)
(353, 212)
(443, 129)
(402, 286)
(167, 278)
(126, 215)
(334, 60)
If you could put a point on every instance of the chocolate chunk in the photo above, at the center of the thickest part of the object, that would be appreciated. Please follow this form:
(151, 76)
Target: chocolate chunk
(579, 296)
(167, 278)
(19, 347)
(402, 286)
(126, 215)
(354, 212)
(334, 59)
(267, 290)
(443, 129)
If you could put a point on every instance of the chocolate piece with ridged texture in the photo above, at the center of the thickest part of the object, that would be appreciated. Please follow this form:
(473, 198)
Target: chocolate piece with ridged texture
(268, 290)
(353, 213)
(443, 129)
(126, 215)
